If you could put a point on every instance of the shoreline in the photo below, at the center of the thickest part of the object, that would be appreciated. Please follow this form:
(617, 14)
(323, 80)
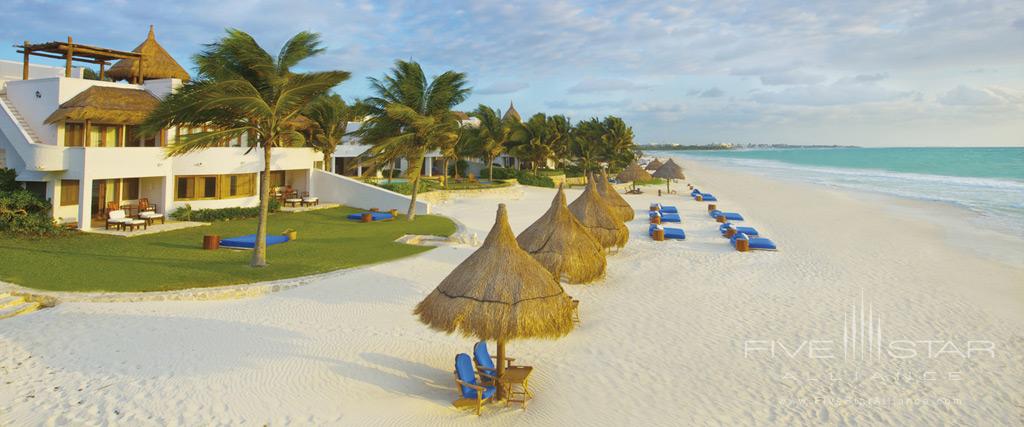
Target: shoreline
(662, 337)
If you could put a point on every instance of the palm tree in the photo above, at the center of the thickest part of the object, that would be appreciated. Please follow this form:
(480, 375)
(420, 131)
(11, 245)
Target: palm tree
(331, 116)
(533, 141)
(240, 90)
(492, 137)
(410, 116)
(560, 128)
(617, 143)
(586, 143)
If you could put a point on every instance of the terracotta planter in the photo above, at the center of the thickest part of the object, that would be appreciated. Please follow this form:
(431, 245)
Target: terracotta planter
(711, 207)
(211, 242)
(742, 245)
(659, 235)
(655, 220)
(729, 232)
(720, 218)
(292, 235)
(700, 198)
(394, 213)
(366, 217)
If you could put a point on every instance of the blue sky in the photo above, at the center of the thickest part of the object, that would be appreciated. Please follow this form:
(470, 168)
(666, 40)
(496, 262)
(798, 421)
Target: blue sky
(903, 73)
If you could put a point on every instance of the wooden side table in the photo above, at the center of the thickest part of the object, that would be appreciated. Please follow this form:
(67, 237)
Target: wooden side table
(517, 377)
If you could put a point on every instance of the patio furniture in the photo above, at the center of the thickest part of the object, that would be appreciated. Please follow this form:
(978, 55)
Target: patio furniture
(516, 383)
(113, 206)
(144, 205)
(116, 217)
(131, 224)
(483, 359)
(151, 216)
(292, 201)
(471, 392)
(128, 209)
(308, 200)
(248, 241)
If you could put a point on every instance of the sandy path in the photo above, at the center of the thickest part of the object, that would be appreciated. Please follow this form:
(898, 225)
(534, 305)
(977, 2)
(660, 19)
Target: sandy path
(662, 338)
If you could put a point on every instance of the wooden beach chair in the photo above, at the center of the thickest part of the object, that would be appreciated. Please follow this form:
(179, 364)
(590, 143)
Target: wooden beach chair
(468, 382)
(485, 362)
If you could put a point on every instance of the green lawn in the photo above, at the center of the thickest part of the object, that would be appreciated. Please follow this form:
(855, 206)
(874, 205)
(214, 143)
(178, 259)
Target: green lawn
(175, 259)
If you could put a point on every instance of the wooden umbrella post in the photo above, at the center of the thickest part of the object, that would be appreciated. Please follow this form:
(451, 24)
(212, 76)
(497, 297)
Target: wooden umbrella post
(501, 369)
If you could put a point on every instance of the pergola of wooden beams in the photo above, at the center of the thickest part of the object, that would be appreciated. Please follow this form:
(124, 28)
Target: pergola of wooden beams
(70, 51)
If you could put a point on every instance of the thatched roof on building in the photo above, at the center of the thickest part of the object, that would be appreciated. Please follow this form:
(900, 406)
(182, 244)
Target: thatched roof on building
(512, 113)
(634, 172)
(562, 245)
(156, 63)
(595, 214)
(669, 170)
(618, 205)
(110, 105)
(654, 165)
(499, 293)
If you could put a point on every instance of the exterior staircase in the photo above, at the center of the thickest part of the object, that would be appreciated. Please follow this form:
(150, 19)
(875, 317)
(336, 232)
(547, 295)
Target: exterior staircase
(13, 305)
(19, 119)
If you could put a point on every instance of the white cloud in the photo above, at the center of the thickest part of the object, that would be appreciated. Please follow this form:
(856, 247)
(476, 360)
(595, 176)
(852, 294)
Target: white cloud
(501, 88)
(791, 77)
(604, 85)
(966, 95)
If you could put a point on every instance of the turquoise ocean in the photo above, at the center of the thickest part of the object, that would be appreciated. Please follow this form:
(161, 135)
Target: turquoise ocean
(987, 181)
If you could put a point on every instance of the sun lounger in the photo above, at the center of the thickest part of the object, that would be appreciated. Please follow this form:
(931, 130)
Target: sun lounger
(117, 218)
(485, 362)
(374, 216)
(695, 192)
(749, 231)
(667, 217)
(707, 197)
(249, 241)
(754, 243)
(731, 216)
(670, 233)
(151, 216)
(470, 383)
(669, 209)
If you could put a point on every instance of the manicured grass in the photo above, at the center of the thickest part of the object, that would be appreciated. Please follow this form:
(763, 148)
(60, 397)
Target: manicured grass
(175, 259)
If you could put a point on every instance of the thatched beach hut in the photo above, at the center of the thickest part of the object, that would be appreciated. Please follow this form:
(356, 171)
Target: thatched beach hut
(499, 293)
(669, 171)
(634, 173)
(156, 63)
(654, 165)
(599, 219)
(562, 245)
(622, 209)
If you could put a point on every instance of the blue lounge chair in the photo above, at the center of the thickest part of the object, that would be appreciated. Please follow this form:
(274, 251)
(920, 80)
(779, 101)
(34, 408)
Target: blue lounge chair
(667, 217)
(670, 233)
(374, 216)
(694, 193)
(668, 209)
(731, 216)
(749, 231)
(755, 243)
(707, 197)
(471, 389)
(485, 362)
(248, 241)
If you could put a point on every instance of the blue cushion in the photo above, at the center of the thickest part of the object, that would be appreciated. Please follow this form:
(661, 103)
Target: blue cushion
(374, 216)
(670, 217)
(669, 209)
(715, 213)
(707, 197)
(670, 233)
(248, 241)
(464, 370)
(733, 216)
(483, 358)
(749, 231)
(754, 242)
(695, 192)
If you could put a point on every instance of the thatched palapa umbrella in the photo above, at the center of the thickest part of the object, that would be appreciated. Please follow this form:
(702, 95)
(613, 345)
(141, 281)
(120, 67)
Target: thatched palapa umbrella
(499, 293)
(669, 171)
(620, 207)
(595, 214)
(634, 173)
(654, 165)
(156, 63)
(562, 245)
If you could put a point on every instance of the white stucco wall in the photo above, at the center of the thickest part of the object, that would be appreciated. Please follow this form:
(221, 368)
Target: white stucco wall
(333, 188)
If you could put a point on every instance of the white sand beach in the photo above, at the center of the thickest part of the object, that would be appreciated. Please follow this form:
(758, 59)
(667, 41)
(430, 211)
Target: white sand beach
(674, 335)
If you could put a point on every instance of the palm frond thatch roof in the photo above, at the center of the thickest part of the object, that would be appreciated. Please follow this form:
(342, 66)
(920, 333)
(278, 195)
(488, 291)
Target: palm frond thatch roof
(634, 172)
(669, 170)
(156, 63)
(499, 293)
(654, 165)
(619, 206)
(562, 245)
(109, 105)
(595, 214)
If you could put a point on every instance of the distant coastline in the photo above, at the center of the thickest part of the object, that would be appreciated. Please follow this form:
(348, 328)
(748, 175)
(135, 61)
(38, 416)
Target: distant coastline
(709, 147)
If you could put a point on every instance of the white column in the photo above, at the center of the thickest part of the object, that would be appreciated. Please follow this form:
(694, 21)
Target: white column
(428, 165)
(309, 182)
(359, 170)
(84, 204)
(167, 196)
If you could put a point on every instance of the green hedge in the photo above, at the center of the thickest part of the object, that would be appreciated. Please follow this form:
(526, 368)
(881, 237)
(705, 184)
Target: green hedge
(186, 213)
(527, 178)
(22, 213)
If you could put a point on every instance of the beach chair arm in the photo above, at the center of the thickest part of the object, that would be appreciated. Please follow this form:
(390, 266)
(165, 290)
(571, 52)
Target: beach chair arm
(472, 386)
(483, 375)
(507, 359)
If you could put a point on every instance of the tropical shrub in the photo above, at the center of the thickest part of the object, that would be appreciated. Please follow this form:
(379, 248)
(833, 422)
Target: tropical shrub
(527, 178)
(186, 213)
(21, 212)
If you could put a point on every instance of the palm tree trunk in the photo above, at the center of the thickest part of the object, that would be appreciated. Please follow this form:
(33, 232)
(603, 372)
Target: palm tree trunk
(328, 166)
(490, 169)
(445, 175)
(259, 252)
(413, 174)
